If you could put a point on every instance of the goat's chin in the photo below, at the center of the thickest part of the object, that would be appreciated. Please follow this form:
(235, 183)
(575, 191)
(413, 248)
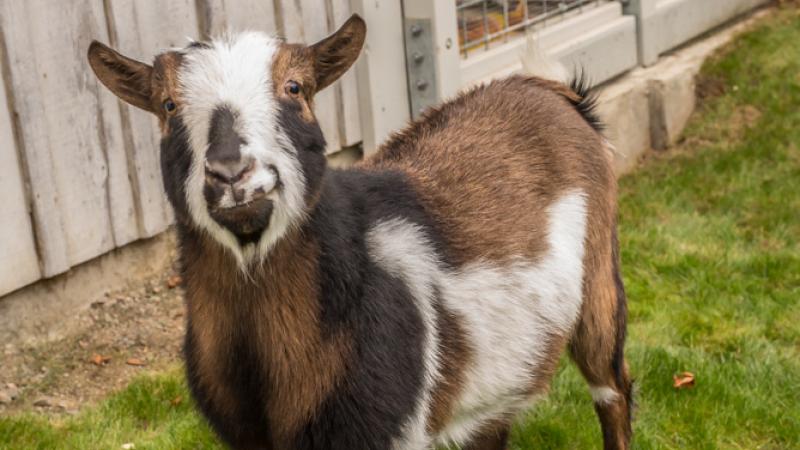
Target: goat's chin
(247, 222)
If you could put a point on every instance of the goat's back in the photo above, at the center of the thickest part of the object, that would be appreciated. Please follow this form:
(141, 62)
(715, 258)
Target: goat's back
(488, 164)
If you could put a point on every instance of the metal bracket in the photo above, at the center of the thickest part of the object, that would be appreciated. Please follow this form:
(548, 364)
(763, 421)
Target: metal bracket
(420, 65)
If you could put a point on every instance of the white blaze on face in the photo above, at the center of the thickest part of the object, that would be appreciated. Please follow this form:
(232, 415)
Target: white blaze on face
(236, 71)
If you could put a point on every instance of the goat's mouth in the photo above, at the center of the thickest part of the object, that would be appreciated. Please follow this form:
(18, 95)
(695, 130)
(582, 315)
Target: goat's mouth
(246, 221)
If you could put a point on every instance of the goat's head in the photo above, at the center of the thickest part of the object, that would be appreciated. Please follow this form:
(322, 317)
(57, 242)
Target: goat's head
(242, 155)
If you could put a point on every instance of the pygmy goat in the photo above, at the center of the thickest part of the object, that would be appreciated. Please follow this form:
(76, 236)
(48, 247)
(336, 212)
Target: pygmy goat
(422, 297)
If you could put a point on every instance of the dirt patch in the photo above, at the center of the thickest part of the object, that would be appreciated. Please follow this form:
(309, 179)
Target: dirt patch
(131, 331)
(708, 87)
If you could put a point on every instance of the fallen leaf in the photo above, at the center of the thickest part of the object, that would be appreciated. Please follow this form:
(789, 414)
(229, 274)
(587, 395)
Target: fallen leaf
(176, 401)
(134, 362)
(683, 380)
(99, 360)
(174, 281)
(43, 402)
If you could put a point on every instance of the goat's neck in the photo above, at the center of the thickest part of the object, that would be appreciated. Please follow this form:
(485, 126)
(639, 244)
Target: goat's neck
(270, 319)
(213, 276)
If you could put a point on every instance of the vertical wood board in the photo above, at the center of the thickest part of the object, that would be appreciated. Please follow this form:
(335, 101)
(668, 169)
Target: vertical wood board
(237, 15)
(141, 29)
(19, 264)
(73, 180)
(348, 114)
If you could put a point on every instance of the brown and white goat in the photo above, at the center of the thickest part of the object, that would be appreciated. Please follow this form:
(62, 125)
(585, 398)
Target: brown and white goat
(422, 297)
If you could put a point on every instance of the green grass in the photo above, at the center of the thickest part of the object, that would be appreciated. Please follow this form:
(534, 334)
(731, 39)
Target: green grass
(711, 259)
(153, 412)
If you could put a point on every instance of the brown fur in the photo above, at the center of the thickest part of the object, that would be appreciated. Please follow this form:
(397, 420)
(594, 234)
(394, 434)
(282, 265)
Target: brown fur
(317, 66)
(540, 382)
(454, 355)
(291, 63)
(146, 87)
(165, 86)
(498, 155)
(279, 308)
(595, 339)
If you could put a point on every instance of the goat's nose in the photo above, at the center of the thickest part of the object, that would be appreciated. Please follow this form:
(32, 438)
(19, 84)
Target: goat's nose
(229, 171)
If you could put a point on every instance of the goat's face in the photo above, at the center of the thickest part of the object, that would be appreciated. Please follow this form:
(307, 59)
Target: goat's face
(242, 155)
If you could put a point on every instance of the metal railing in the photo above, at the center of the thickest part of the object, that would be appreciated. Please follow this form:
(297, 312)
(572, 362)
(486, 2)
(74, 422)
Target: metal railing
(481, 23)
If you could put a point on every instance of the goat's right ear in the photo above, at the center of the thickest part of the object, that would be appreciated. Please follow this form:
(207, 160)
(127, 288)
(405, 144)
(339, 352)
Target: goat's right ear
(127, 78)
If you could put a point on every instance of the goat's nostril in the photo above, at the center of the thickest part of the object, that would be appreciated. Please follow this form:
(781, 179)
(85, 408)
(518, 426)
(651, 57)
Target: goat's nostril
(229, 172)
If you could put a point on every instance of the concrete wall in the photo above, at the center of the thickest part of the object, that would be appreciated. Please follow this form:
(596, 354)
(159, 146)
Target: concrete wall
(666, 24)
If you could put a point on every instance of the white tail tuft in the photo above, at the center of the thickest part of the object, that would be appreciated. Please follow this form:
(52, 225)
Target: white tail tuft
(537, 62)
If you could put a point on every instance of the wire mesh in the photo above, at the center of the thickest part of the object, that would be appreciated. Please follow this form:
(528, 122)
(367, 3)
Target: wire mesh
(482, 23)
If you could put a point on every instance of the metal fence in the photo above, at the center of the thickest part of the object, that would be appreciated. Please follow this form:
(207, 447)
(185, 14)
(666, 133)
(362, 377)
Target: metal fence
(484, 22)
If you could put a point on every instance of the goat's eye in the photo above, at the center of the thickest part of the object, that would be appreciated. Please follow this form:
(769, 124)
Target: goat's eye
(292, 87)
(169, 106)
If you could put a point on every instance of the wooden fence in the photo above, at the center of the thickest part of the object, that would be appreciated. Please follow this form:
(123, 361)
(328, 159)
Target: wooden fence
(79, 170)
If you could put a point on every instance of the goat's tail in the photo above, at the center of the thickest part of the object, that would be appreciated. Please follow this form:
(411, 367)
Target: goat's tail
(538, 63)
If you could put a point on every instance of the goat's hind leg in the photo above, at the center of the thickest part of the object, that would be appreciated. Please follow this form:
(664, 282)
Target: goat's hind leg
(597, 347)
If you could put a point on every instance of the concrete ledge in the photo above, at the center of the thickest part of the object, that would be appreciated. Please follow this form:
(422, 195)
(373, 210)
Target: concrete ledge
(648, 108)
(49, 309)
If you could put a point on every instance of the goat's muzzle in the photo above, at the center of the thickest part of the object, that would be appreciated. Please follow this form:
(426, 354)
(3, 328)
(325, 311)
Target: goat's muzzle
(236, 193)
(246, 221)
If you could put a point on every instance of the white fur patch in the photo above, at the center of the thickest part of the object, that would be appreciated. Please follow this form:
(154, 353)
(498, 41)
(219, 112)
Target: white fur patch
(236, 71)
(603, 395)
(509, 312)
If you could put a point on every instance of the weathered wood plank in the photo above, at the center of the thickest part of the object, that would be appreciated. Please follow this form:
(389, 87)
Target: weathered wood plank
(292, 20)
(306, 21)
(64, 131)
(140, 29)
(348, 114)
(381, 72)
(19, 264)
(315, 27)
(237, 15)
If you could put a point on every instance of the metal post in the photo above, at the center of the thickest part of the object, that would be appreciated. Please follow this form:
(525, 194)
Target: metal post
(432, 53)
(644, 10)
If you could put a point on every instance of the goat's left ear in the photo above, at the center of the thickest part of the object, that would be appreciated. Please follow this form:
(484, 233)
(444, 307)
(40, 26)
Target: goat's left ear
(335, 54)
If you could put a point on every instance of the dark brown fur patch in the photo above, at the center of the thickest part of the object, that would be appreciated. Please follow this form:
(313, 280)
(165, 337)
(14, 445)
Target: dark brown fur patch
(165, 86)
(279, 308)
(455, 356)
(291, 62)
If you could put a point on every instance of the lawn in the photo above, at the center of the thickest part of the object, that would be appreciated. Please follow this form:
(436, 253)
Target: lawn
(709, 234)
